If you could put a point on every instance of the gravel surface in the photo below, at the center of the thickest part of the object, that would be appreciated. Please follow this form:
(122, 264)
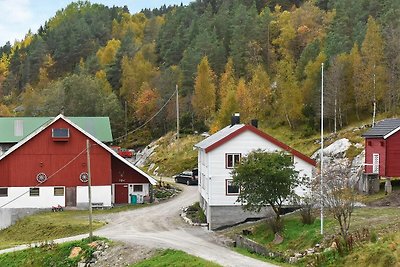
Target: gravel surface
(160, 227)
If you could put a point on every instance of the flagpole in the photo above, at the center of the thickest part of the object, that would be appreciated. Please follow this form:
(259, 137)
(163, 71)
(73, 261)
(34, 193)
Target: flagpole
(322, 147)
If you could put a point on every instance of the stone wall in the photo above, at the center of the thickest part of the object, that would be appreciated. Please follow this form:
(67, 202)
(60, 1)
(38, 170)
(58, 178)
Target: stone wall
(253, 246)
(9, 216)
(224, 216)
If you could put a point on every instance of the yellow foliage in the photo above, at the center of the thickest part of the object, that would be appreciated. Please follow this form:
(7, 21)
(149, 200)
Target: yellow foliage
(106, 54)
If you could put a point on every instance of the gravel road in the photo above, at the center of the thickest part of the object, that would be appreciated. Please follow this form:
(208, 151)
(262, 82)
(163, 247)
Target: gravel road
(160, 226)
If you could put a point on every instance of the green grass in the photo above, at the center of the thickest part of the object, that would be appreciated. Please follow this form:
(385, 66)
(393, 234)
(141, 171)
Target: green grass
(47, 255)
(46, 226)
(250, 254)
(174, 258)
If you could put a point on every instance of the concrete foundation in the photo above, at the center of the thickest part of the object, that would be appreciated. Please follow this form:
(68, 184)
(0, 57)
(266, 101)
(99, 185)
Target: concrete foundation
(9, 216)
(223, 216)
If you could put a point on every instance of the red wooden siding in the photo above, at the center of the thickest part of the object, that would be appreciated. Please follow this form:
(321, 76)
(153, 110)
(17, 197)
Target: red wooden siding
(42, 154)
(393, 155)
(375, 146)
(121, 173)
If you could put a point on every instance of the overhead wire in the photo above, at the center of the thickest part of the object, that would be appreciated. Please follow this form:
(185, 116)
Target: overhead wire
(145, 123)
(48, 178)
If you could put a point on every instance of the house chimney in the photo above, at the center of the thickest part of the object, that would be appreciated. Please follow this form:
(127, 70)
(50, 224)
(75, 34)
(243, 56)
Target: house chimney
(235, 119)
(254, 122)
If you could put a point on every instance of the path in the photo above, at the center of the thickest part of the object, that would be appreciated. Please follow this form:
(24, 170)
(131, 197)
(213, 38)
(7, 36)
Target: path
(160, 226)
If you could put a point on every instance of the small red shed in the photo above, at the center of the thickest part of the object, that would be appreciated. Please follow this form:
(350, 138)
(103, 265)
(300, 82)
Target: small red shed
(382, 149)
(49, 167)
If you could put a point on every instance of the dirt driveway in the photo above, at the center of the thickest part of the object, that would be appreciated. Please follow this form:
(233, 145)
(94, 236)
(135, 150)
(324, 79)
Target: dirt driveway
(160, 226)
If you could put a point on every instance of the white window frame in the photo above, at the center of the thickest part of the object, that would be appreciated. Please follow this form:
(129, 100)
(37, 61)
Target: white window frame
(58, 188)
(136, 191)
(228, 183)
(375, 163)
(233, 161)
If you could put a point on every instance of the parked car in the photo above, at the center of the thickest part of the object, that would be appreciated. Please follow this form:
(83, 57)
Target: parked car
(187, 177)
(123, 152)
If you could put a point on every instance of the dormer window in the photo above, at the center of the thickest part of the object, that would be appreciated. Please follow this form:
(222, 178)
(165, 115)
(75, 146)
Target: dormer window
(60, 134)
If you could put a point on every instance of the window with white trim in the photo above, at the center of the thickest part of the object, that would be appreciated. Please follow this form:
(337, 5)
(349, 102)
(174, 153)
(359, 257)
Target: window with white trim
(59, 191)
(34, 191)
(137, 188)
(231, 160)
(231, 189)
(4, 192)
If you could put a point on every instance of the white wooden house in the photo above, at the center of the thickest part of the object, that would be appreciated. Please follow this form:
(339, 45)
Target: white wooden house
(217, 156)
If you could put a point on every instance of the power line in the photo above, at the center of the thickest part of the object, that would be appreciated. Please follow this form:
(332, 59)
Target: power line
(48, 178)
(144, 124)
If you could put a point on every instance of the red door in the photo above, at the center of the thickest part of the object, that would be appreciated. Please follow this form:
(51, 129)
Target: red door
(121, 193)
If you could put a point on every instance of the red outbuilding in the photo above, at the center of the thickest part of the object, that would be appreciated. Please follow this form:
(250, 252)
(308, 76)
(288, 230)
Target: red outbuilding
(49, 167)
(382, 149)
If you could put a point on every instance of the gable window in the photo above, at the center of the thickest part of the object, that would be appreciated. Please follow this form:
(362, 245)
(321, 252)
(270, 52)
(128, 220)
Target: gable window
(231, 189)
(3, 192)
(60, 134)
(34, 191)
(137, 188)
(231, 160)
(58, 191)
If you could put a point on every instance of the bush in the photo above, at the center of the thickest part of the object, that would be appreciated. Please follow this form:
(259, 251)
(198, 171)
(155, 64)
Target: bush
(307, 214)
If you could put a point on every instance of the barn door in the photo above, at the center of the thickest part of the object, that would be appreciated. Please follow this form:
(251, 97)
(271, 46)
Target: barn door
(70, 196)
(375, 163)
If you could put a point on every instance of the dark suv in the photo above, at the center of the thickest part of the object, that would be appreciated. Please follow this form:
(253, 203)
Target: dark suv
(187, 177)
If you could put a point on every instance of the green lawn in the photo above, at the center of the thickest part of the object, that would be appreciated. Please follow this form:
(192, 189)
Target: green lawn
(47, 255)
(382, 222)
(44, 226)
(174, 258)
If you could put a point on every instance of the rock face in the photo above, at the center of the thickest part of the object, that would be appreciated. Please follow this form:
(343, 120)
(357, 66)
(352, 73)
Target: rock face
(335, 154)
(335, 150)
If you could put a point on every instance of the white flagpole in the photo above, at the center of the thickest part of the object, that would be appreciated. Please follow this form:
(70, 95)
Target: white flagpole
(322, 147)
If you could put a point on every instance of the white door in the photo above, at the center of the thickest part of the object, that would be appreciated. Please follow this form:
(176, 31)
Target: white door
(375, 163)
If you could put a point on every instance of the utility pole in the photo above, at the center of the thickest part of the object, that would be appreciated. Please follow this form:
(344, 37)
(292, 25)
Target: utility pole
(322, 147)
(126, 120)
(177, 113)
(89, 190)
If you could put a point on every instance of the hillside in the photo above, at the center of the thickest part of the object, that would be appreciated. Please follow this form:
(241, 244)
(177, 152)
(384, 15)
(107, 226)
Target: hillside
(256, 57)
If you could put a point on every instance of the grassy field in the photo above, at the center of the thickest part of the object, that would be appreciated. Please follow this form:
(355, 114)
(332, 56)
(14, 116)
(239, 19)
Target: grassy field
(175, 258)
(47, 254)
(381, 222)
(173, 157)
(49, 225)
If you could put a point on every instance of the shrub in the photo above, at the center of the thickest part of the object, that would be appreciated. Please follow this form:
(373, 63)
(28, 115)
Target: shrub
(276, 226)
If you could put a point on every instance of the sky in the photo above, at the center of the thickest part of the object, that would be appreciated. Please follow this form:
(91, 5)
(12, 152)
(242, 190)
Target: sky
(18, 16)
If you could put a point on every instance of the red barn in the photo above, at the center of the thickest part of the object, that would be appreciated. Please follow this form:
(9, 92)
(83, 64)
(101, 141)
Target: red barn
(49, 167)
(382, 148)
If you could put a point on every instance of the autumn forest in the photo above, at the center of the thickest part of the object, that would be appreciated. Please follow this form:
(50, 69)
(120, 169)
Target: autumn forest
(259, 57)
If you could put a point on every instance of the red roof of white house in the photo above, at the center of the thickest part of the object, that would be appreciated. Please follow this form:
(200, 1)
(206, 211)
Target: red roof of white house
(230, 132)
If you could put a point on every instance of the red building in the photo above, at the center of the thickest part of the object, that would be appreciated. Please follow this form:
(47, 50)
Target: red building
(49, 167)
(382, 149)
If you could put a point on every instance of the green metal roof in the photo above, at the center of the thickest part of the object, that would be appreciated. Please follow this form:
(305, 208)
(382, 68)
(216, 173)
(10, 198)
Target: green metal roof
(13, 129)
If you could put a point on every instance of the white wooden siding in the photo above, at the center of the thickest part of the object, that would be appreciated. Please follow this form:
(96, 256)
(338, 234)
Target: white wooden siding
(244, 143)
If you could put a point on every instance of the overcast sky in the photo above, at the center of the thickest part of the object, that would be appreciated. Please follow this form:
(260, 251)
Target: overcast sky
(18, 16)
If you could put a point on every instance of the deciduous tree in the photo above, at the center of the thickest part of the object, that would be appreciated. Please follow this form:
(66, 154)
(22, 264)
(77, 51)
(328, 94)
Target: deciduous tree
(265, 179)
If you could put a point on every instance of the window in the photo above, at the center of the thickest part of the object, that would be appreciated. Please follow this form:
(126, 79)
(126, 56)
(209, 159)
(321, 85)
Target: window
(232, 160)
(3, 192)
(58, 191)
(369, 143)
(34, 192)
(138, 188)
(60, 133)
(230, 188)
